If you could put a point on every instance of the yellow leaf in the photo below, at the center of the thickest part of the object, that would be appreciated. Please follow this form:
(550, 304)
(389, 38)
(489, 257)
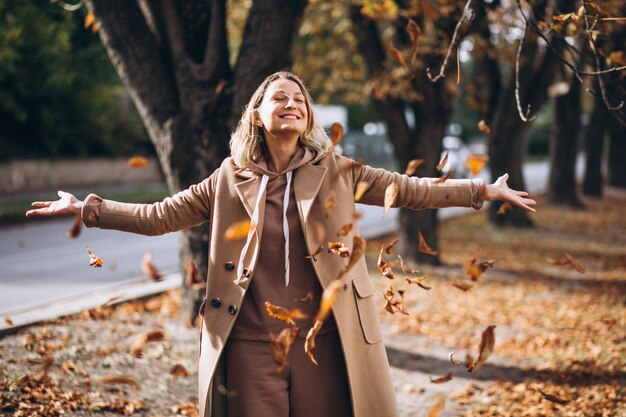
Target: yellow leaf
(238, 230)
(475, 269)
(309, 342)
(361, 188)
(476, 163)
(90, 19)
(437, 407)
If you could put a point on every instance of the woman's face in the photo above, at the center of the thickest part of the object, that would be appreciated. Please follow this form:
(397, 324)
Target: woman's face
(283, 109)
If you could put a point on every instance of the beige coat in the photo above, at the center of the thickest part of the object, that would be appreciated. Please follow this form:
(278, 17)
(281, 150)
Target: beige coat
(229, 196)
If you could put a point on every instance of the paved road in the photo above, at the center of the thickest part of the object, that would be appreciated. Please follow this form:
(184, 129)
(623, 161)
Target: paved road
(43, 273)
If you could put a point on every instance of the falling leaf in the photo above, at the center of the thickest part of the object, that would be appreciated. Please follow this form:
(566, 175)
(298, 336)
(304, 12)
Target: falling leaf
(475, 269)
(137, 162)
(394, 306)
(339, 248)
(336, 133)
(120, 379)
(358, 249)
(414, 34)
(418, 281)
(179, 370)
(397, 55)
(328, 298)
(391, 193)
(281, 345)
(77, 226)
(361, 188)
(443, 162)
(90, 20)
(405, 268)
(423, 246)
(504, 208)
(314, 254)
(476, 163)
(281, 313)
(94, 260)
(463, 286)
(148, 268)
(487, 342)
(551, 397)
(569, 260)
(445, 378)
(141, 340)
(484, 127)
(307, 299)
(238, 230)
(329, 203)
(452, 360)
(8, 320)
(445, 177)
(391, 246)
(193, 280)
(309, 342)
(413, 165)
(438, 405)
(345, 229)
(383, 266)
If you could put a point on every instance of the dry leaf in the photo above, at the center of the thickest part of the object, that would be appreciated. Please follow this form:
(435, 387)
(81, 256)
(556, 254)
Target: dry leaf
(339, 248)
(358, 249)
(418, 281)
(445, 378)
(361, 188)
(452, 360)
(336, 133)
(475, 269)
(136, 348)
(476, 163)
(137, 162)
(413, 165)
(504, 207)
(551, 397)
(328, 298)
(391, 246)
(391, 193)
(94, 260)
(444, 177)
(345, 229)
(307, 299)
(281, 345)
(314, 254)
(238, 230)
(281, 313)
(383, 266)
(397, 55)
(438, 405)
(484, 127)
(487, 342)
(569, 260)
(423, 246)
(393, 306)
(148, 268)
(405, 268)
(179, 371)
(77, 226)
(414, 34)
(120, 379)
(463, 286)
(443, 162)
(330, 203)
(193, 280)
(8, 320)
(90, 20)
(309, 342)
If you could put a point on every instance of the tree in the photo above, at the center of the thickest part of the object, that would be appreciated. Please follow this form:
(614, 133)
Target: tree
(174, 58)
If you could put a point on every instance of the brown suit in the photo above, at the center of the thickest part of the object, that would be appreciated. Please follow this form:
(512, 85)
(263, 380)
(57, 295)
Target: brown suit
(229, 196)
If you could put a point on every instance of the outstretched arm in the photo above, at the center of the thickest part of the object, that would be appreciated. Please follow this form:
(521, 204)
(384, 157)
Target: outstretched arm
(500, 191)
(66, 205)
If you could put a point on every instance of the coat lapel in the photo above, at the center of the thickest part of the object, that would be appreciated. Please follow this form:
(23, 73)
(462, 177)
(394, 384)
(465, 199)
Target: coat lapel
(248, 190)
(307, 183)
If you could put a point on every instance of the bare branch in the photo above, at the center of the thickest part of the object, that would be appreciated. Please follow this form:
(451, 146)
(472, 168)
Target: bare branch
(467, 16)
(524, 117)
(67, 6)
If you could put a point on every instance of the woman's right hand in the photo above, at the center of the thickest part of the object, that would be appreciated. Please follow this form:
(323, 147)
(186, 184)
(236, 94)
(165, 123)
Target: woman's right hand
(67, 204)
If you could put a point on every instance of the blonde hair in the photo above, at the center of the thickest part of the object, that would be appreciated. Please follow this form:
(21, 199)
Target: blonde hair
(246, 141)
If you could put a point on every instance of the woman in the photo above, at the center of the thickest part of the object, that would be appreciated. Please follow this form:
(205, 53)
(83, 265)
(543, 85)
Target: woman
(280, 174)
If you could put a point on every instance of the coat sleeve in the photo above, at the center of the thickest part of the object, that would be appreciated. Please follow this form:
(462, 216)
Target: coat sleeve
(418, 193)
(184, 209)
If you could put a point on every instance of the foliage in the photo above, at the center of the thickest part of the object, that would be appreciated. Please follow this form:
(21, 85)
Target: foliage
(59, 95)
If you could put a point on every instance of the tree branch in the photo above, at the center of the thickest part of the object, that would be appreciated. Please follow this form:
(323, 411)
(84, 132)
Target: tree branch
(525, 117)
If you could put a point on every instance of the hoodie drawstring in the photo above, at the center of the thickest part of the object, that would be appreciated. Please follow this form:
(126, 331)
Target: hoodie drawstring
(286, 227)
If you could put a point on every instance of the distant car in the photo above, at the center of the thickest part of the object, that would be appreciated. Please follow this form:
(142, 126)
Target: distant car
(457, 152)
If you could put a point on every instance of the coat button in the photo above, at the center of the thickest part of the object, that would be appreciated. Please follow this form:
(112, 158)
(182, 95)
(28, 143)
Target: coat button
(229, 266)
(345, 287)
(246, 272)
(232, 309)
(216, 302)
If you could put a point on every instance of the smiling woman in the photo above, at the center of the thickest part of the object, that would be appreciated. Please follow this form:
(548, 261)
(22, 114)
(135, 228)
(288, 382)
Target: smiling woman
(279, 182)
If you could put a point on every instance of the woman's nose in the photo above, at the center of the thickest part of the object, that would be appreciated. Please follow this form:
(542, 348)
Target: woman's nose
(291, 103)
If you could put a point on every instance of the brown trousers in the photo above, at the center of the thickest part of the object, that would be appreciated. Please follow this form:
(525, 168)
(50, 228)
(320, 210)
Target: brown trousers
(302, 389)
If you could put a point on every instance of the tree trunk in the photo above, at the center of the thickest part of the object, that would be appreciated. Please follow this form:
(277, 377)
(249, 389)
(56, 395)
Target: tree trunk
(564, 148)
(617, 154)
(594, 148)
(173, 58)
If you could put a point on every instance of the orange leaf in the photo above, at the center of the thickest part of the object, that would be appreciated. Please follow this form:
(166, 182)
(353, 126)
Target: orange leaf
(569, 260)
(120, 379)
(314, 254)
(391, 193)
(345, 229)
(391, 246)
(193, 280)
(393, 306)
(414, 34)
(94, 260)
(463, 286)
(238, 230)
(361, 188)
(8, 320)
(438, 405)
(487, 342)
(443, 162)
(339, 248)
(309, 342)
(418, 281)
(397, 55)
(281, 345)
(329, 203)
(445, 378)
(136, 349)
(476, 163)
(137, 162)
(283, 314)
(307, 299)
(475, 269)
(383, 266)
(358, 249)
(328, 298)
(551, 397)
(444, 177)
(423, 246)
(484, 127)
(405, 267)
(77, 226)
(504, 208)
(179, 371)
(413, 165)
(336, 133)
(148, 268)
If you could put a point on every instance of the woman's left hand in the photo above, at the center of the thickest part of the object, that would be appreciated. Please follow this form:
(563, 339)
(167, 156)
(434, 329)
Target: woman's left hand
(500, 191)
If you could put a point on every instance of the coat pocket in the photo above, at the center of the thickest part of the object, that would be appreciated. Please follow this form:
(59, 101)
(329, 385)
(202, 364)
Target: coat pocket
(366, 307)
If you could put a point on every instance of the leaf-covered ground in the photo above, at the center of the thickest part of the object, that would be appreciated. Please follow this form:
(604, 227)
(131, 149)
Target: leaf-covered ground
(560, 336)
